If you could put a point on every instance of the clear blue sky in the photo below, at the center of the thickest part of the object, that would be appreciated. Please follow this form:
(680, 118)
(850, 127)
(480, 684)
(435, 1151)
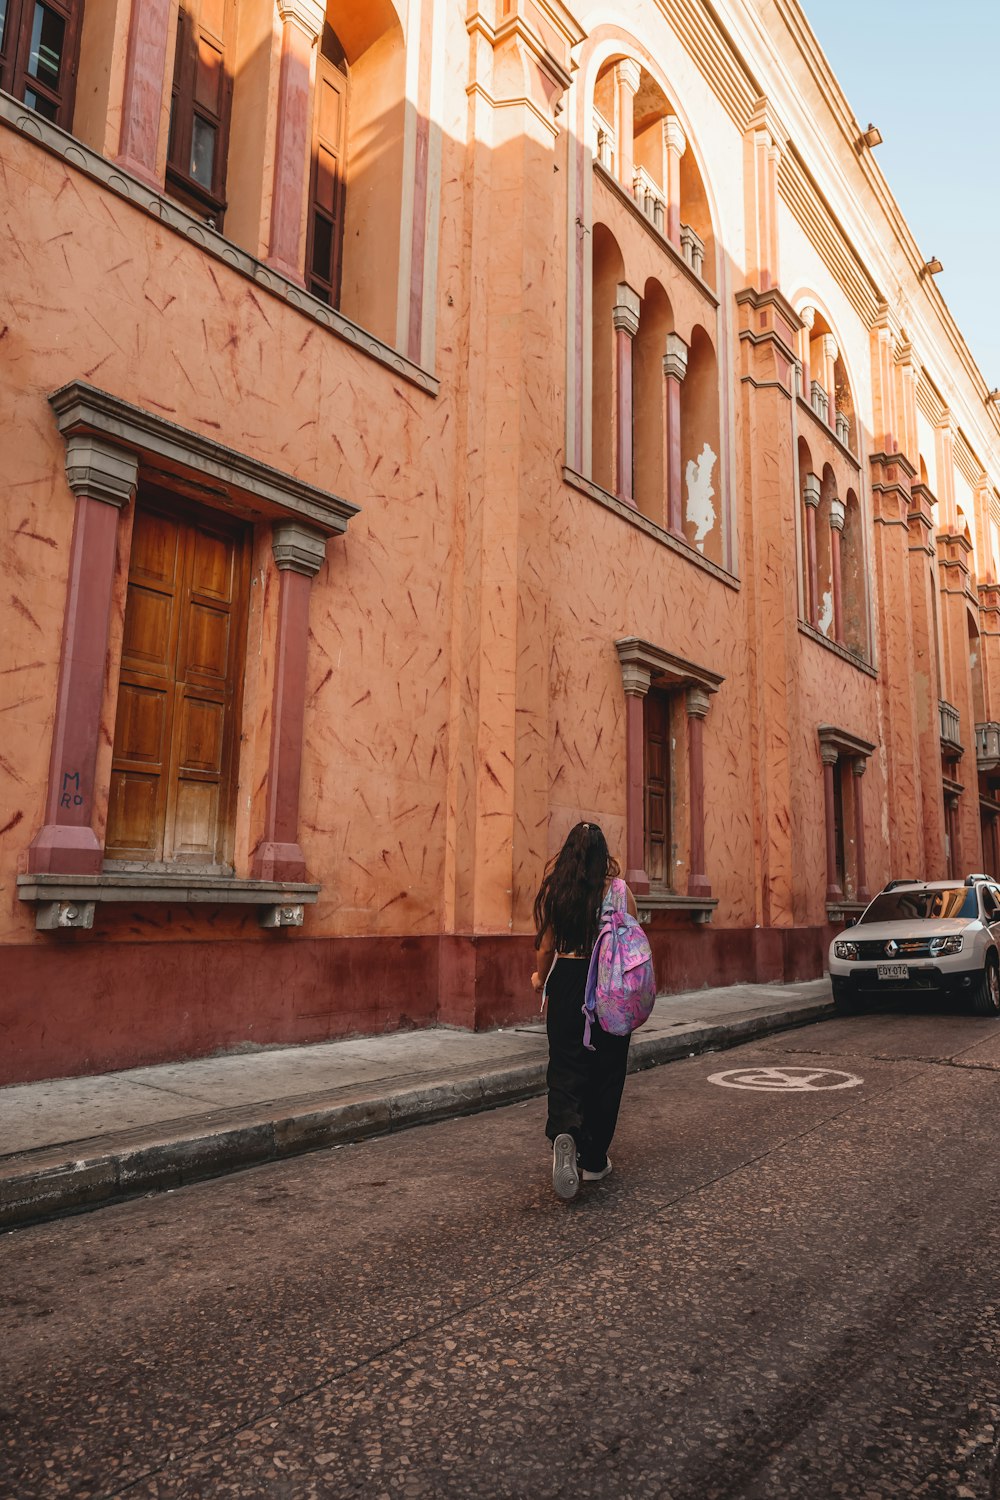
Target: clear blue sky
(928, 75)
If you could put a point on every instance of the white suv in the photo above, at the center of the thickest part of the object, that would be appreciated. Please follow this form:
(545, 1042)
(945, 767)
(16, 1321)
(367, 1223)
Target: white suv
(940, 936)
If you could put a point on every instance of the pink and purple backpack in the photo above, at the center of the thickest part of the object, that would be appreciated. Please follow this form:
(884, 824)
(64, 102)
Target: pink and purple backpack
(621, 987)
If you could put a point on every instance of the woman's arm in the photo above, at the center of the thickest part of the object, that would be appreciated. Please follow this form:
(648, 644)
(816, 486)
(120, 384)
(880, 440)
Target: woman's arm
(546, 952)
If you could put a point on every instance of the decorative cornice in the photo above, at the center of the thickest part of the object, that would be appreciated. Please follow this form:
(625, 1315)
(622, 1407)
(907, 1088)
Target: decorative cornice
(98, 470)
(261, 490)
(297, 548)
(675, 360)
(665, 668)
(842, 741)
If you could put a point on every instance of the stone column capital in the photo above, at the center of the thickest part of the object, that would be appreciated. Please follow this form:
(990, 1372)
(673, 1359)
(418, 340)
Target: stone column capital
(308, 15)
(828, 754)
(698, 701)
(628, 74)
(636, 679)
(859, 765)
(99, 470)
(674, 138)
(625, 313)
(838, 514)
(808, 316)
(675, 359)
(830, 347)
(298, 547)
(811, 490)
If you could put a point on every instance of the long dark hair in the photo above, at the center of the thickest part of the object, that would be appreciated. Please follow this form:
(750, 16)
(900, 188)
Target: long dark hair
(572, 890)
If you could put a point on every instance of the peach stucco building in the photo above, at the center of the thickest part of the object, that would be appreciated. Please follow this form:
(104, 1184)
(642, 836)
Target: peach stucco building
(423, 424)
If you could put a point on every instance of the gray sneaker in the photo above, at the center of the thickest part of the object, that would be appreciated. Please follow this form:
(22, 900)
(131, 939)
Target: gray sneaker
(597, 1176)
(565, 1174)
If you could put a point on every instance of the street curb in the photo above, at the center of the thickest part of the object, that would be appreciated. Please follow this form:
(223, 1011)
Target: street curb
(81, 1175)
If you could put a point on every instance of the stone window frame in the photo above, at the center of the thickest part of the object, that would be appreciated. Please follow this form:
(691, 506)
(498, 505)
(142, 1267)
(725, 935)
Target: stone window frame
(645, 665)
(110, 445)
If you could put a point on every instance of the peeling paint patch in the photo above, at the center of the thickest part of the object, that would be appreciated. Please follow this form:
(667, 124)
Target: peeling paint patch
(700, 510)
(826, 613)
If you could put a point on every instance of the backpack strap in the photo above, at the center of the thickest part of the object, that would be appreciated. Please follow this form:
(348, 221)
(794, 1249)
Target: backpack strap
(617, 897)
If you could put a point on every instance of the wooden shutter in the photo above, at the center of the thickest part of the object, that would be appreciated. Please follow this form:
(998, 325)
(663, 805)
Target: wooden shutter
(656, 720)
(173, 770)
(327, 192)
(201, 97)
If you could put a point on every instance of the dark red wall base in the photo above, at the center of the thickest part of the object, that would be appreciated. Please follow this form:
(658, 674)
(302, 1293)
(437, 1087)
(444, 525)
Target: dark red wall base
(70, 1007)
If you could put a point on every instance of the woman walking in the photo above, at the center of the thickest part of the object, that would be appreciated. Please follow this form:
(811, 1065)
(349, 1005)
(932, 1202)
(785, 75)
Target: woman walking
(585, 1087)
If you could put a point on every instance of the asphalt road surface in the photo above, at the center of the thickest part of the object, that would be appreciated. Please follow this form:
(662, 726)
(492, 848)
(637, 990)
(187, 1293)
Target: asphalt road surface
(780, 1292)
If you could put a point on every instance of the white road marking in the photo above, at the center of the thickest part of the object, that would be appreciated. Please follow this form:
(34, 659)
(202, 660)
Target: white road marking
(786, 1080)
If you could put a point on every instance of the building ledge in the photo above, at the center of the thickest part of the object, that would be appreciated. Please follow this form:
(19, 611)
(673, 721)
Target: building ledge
(17, 116)
(667, 246)
(68, 901)
(842, 911)
(658, 533)
(843, 652)
(699, 908)
(824, 430)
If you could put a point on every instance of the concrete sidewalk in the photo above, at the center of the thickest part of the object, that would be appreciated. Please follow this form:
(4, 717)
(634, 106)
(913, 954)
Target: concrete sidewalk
(78, 1143)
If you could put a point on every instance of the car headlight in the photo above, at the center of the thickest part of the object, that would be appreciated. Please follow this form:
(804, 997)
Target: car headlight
(849, 950)
(946, 944)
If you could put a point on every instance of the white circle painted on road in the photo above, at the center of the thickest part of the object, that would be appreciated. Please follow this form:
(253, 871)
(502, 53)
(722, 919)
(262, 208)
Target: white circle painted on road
(786, 1080)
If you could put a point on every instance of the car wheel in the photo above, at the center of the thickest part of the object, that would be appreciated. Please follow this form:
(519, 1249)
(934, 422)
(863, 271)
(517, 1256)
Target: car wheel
(845, 1000)
(986, 995)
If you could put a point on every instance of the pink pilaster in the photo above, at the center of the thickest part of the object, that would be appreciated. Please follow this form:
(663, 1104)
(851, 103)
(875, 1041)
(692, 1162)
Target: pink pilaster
(626, 322)
(103, 479)
(674, 369)
(636, 680)
(811, 494)
(142, 101)
(302, 24)
(859, 766)
(627, 79)
(674, 146)
(838, 515)
(299, 552)
(697, 707)
(830, 758)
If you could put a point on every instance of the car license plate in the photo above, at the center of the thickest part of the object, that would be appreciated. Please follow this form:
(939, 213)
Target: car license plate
(893, 971)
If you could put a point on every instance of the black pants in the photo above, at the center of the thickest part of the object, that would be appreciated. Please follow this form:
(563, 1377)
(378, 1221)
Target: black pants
(585, 1088)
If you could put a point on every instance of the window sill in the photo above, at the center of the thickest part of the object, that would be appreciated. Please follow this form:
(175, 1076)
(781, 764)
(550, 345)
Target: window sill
(658, 533)
(699, 908)
(838, 650)
(17, 116)
(70, 901)
(838, 911)
(827, 431)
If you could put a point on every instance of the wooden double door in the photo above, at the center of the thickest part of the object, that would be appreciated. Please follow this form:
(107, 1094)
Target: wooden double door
(176, 742)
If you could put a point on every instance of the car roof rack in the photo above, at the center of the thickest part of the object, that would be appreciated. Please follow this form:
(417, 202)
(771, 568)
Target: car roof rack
(977, 878)
(908, 881)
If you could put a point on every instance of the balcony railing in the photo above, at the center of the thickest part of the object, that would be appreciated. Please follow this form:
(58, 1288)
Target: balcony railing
(988, 747)
(819, 401)
(650, 199)
(693, 249)
(843, 428)
(604, 142)
(950, 731)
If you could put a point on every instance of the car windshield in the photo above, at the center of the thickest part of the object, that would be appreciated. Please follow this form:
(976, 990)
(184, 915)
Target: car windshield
(909, 906)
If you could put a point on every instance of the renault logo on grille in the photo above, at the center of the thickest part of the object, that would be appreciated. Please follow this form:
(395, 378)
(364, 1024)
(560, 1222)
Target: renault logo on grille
(891, 948)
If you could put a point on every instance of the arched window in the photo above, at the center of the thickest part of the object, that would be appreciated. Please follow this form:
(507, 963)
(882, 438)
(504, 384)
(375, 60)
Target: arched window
(608, 273)
(700, 448)
(976, 670)
(854, 626)
(639, 139)
(655, 323)
(39, 50)
(824, 555)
